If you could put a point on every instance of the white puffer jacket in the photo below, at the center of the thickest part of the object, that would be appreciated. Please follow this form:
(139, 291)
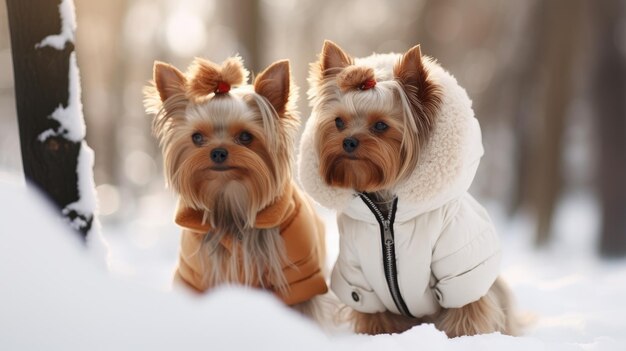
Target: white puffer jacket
(447, 253)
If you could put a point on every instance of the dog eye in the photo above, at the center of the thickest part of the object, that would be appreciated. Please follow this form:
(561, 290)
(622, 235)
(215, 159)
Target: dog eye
(244, 138)
(380, 126)
(339, 123)
(197, 139)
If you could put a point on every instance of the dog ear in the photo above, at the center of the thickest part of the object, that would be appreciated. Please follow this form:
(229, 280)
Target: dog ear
(332, 59)
(168, 80)
(424, 95)
(274, 84)
(410, 70)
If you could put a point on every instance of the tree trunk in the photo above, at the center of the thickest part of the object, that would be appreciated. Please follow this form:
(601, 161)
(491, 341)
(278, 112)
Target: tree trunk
(51, 146)
(609, 90)
(540, 138)
(562, 48)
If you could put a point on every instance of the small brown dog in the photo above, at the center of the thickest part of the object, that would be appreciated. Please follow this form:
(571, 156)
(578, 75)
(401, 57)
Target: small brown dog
(228, 150)
(393, 145)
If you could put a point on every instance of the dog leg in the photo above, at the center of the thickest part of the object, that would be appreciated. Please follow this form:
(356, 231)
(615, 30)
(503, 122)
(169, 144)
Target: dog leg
(322, 309)
(492, 313)
(382, 322)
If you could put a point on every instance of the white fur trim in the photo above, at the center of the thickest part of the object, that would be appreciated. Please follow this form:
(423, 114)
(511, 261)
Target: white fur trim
(446, 166)
(309, 173)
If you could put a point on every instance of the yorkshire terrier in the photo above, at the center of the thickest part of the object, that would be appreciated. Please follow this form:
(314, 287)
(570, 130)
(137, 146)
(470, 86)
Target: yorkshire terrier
(228, 152)
(393, 145)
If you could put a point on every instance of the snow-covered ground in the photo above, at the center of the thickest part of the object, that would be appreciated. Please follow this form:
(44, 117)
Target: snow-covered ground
(55, 295)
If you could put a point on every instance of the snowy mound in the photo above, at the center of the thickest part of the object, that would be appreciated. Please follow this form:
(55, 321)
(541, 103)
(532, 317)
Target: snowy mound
(54, 296)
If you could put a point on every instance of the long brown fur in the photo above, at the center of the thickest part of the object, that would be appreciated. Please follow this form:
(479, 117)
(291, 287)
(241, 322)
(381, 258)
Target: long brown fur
(383, 322)
(370, 169)
(492, 313)
(352, 77)
(408, 105)
(424, 95)
(206, 75)
(258, 172)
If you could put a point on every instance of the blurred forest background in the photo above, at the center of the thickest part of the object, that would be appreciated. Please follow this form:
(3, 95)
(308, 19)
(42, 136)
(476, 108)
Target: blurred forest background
(548, 81)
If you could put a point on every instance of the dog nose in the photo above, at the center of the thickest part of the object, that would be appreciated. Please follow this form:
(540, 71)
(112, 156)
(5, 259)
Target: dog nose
(219, 155)
(350, 144)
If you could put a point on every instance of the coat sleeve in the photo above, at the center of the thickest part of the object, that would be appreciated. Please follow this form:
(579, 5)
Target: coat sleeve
(347, 279)
(466, 257)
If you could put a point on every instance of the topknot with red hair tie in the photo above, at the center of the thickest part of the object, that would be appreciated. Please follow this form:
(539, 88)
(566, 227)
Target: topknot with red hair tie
(206, 77)
(356, 78)
(222, 88)
(368, 84)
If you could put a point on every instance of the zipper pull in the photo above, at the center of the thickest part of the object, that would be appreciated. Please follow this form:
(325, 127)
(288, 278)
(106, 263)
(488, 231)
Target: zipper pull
(387, 232)
(386, 224)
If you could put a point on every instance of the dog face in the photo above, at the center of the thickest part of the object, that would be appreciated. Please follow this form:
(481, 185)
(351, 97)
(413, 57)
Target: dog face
(370, 130)
(227, 147)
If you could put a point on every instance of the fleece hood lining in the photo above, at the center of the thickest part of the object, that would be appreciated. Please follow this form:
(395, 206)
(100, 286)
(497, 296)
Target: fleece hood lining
(446, 166)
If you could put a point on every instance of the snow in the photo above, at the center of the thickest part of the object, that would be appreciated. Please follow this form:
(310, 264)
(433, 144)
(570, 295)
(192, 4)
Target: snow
(87, 204)
(68, 27)
(56, 296)
(70, 118)
(72, 127)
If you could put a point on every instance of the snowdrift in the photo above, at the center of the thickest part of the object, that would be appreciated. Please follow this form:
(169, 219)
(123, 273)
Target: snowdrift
(55, 295)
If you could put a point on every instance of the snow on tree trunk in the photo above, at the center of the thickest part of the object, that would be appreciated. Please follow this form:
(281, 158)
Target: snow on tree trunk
(55, 156)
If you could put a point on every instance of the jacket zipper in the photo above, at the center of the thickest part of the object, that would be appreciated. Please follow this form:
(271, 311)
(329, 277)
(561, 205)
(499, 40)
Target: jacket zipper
(389, 253)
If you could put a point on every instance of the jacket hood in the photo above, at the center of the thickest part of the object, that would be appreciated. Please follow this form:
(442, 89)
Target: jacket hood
(445, 169)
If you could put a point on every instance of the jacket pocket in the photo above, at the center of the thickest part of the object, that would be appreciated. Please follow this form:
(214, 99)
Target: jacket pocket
(360, 298)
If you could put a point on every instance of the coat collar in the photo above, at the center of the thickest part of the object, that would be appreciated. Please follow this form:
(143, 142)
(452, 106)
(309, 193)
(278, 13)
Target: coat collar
(445, 169)
(277, 213)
